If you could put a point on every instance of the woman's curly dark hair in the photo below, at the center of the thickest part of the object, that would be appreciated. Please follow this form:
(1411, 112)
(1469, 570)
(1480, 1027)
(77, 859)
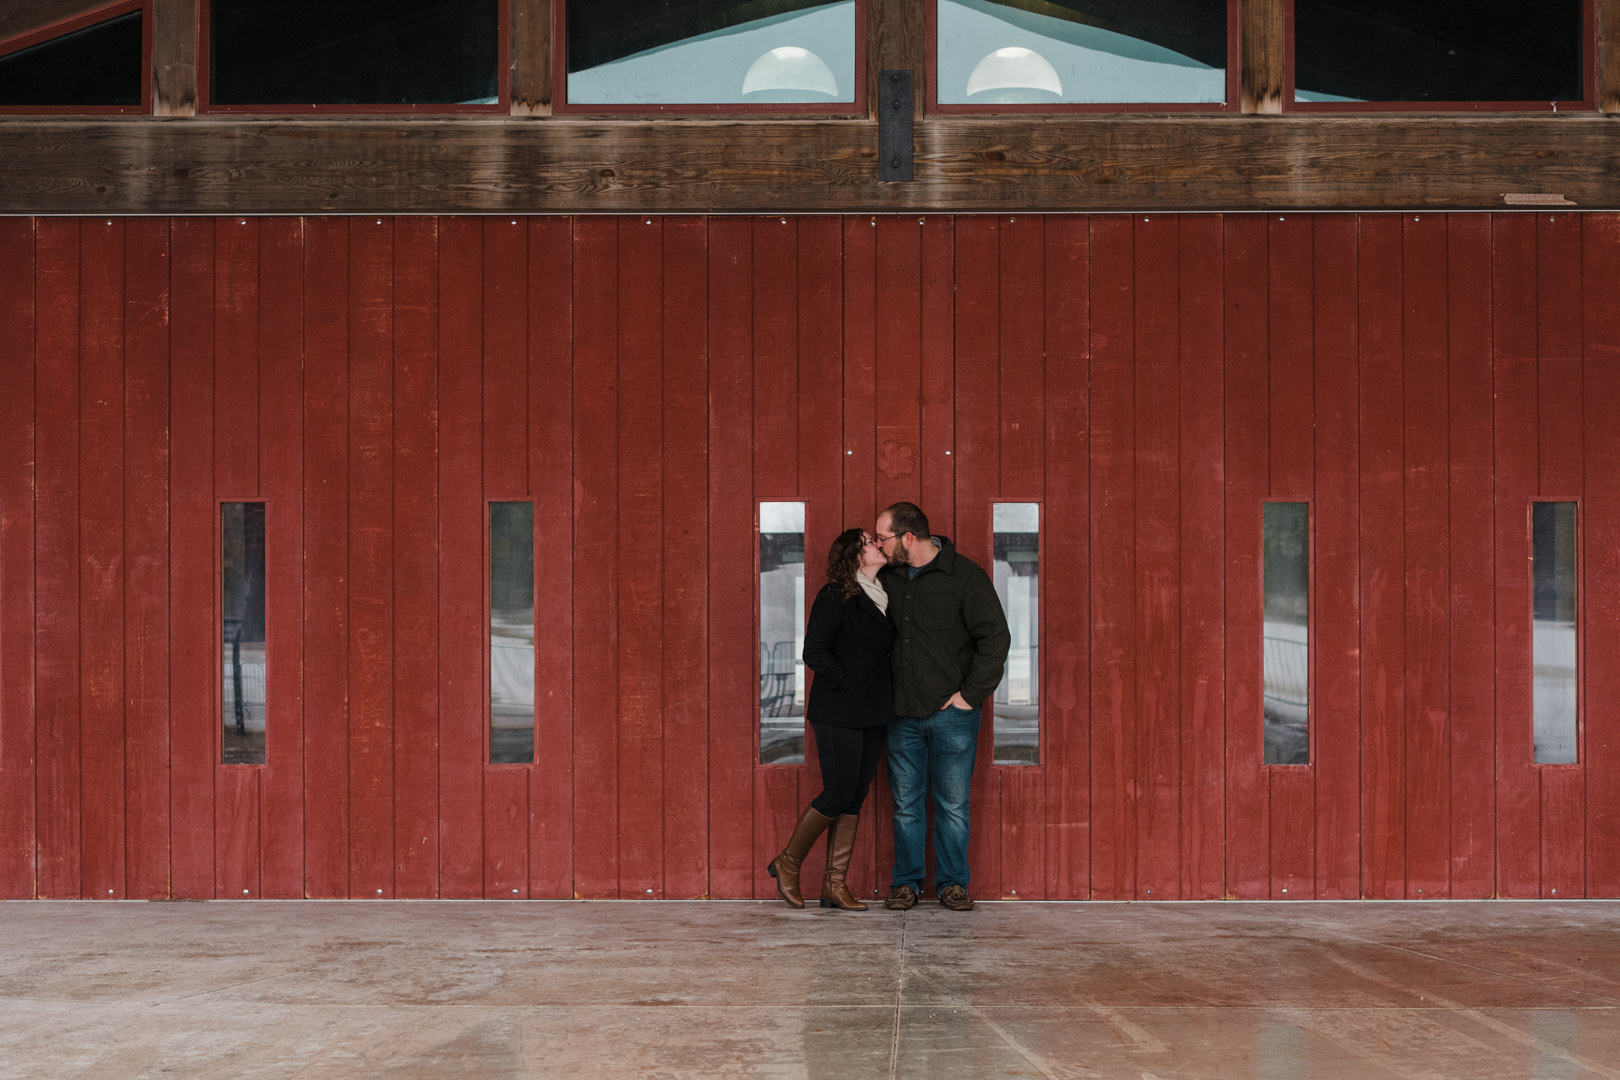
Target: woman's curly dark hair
(844, 559)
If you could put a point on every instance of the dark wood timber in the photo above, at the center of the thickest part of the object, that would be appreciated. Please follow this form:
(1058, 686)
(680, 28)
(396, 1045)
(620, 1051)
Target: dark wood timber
(1608, 56)
(19, 17)
(1262, 64)
(896, 32)
(357, 165)
(531, 57)
(174, 57)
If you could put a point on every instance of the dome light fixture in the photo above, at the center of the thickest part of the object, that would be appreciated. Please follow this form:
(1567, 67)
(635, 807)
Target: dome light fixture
(789, 69)
(1014, 68)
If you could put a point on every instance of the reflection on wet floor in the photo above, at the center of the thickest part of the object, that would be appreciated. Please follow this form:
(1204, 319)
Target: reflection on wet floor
(702, 989)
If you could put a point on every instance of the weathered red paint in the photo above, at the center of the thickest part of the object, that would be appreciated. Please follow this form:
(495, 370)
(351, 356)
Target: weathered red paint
(1418, 379)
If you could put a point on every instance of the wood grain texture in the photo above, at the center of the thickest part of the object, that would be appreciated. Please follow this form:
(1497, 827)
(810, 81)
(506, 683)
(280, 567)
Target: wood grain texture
(531, 56)
(174, 57)
(20, 17)
(17, 477)
(1262, 56)
(1065, 163)
(1608, 55)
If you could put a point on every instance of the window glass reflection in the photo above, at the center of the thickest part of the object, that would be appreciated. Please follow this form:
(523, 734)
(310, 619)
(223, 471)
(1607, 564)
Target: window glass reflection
(999, 53)
(686, 52)
(1285, 641)
(242, 629)
(99, 65)
(1552, 577)
(1015, 568)
(511, 632)
(781, 632)
(1397, 50)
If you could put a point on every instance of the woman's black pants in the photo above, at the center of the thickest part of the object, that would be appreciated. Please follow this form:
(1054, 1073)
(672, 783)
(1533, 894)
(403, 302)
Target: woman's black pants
(849, 760)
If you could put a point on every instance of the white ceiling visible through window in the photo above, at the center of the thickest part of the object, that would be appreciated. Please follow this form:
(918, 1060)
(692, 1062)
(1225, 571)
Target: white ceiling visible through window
(1008, 56)
(806, 57)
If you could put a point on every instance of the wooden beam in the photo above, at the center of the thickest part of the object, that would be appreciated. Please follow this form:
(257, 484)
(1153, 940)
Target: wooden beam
(1262, 48)
(1608, 56)
(531, 57)
(19, 17)
(963, 163)
(896, 32)
(174, 57)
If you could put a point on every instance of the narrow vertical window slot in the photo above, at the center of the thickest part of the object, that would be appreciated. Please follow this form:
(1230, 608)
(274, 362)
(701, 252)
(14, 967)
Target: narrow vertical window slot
(781, 633)
(1554, 646)
(1015, 567)
(242, 630)
(1285, 633)
(511, 633)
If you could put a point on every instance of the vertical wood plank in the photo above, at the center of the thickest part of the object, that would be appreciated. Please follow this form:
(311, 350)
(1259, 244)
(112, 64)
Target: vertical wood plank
(640, 513)
(978, 428)
(937, 459)
(371, 572)
(1470, 557)
(194, 540)
(18, 718)
(1113, 567)
(532, 40)
(1514, 350)
(551, 483)
(1383, 558)
(1202, 614)
(145, 634)
(898, 362)
(1336, 631)
(686, 543)
(281, 404)
(463, 571)
(174, 57)
(1291, 790)
(777, 802)
(1065, 562)
(1560, 471)
(859, 426)
(1428, 708)
(733, 639)
(325, 631)
(57, 560)
(237, 385)
(1600, 548)
(1156, 403)
(415, 557)
(1247, 426)
(101, 546)
(597, 476)
(1021, 344)
(818, 345)
(505, 477)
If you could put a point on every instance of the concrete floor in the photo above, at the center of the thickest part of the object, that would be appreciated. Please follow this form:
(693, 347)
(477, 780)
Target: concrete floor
(494, 990)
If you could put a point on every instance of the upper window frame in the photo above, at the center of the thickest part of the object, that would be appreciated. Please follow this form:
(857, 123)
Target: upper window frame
(561, 106)
(73, 24)
(1232, 103)
(503, 81)
(1588, 82)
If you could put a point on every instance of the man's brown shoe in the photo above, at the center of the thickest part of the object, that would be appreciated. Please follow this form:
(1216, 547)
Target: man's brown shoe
(902, 898)
(956, 898)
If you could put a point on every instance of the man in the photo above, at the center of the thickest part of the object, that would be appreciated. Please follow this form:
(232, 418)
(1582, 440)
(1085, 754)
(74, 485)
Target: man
(950, 648)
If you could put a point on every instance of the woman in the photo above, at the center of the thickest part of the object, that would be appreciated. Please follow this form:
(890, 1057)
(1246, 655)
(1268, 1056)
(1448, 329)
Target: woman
(847, 645)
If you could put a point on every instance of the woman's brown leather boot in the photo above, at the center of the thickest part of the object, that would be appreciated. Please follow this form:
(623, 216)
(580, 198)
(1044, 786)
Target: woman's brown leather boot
(840, 846)
(785, 867)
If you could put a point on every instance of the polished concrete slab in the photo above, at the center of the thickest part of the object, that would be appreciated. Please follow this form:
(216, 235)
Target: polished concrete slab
(738, 989)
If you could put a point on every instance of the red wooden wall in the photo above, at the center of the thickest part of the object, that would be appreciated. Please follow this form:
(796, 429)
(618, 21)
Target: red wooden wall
(1151, 380)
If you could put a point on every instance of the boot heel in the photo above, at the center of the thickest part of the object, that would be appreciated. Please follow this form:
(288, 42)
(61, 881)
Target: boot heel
(770, 868)
(827, 903)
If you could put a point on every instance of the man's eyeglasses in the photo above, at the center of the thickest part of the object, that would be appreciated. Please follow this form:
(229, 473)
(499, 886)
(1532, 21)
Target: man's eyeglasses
(879, 538)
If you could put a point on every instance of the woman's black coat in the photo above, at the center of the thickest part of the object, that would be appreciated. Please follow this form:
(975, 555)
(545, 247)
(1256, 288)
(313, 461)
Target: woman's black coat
(847, 645)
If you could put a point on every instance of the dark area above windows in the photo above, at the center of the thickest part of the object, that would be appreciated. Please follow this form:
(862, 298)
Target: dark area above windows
(97, 66)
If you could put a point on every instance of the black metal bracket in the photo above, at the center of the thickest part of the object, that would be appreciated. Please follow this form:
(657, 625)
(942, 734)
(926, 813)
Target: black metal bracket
(894, 125)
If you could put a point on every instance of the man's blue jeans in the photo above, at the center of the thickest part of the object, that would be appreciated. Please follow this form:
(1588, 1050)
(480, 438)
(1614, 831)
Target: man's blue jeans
(932, 753)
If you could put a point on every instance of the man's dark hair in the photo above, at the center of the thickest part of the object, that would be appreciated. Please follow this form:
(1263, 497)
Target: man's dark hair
(906, 517)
